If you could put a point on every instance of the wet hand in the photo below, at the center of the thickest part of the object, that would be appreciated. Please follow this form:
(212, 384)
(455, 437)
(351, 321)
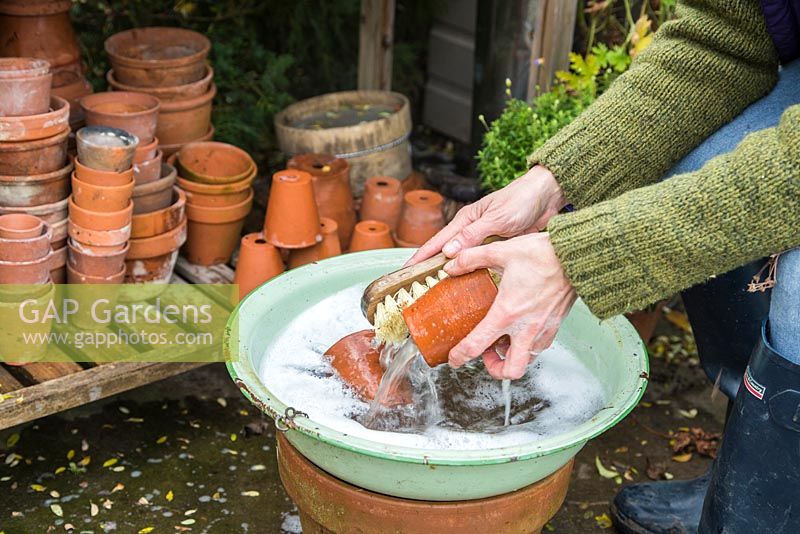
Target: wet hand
(533, 298)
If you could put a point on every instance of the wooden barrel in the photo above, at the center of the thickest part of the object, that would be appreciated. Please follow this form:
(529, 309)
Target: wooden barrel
(378, 147)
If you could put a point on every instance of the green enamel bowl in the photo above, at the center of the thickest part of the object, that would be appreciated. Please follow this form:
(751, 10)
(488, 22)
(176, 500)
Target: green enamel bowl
(610, 349)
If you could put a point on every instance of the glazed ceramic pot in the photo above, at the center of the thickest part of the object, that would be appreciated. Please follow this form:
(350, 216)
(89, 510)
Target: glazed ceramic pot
(155, 195)
(58, 267)
(357, 360)
(421, 217)
(101, 197)
(96, 261)
(20, 226)
(145, 151)
(99, 228)
(160, 221)
(77, 277)
(135, 113)
(148, 171)
(292, 219)
(446, 313)
(96, 177)
(105, 148)
(152, 259)
(167, 93)
(216, 195)
(382, 200)
(40, 126)
(184, 121)
(26, 272)
(158, 57)
(327, 248)
(72, 86)
(43, 30)
(214, 232)
(369, 235)
(33, 246)
(34, 157)
(215, 163)
(25, 85)
(35, 190)
(170, 149)
(258, 262)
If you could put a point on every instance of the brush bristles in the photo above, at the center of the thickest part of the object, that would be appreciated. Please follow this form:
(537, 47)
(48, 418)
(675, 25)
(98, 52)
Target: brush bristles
(389, 324)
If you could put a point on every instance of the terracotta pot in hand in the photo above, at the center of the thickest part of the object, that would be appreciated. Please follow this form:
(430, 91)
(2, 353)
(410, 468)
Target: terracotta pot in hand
(153, 196)
(106, 149)
(40, 126)
(25, 85)
(216, 195)
(167, 93)
(152, 259)
(292, 219)
(370, 235)
(331, 177)
(420, 218)
(446, 313)
(212, 162)
(100, 197)
(185, 121)
(382, 200)
(96, 261)
(135, 113)
(35, 190)
(96, 177)
(160, 221)
(214, 232)
(327, 248)
(149, 170)
(34, 157)
(258, 262)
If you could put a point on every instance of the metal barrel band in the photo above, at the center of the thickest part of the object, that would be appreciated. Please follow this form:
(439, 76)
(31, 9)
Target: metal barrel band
(380, 148)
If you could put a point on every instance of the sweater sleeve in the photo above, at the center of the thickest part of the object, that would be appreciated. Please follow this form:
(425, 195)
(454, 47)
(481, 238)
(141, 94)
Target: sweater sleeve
(644, 245)
(700, 71)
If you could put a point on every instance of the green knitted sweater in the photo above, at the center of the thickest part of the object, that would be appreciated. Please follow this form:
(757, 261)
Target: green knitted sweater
(631, 243)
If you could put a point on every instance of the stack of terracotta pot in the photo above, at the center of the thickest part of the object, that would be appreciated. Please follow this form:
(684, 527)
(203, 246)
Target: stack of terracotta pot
(34, 131)
(25, 250)
(169, 64)
(100, 208)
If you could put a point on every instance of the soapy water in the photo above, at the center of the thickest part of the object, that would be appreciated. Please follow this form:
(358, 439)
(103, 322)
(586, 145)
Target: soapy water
(457, 409)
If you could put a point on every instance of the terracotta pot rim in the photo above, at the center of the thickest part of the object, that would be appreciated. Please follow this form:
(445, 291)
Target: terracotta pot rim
(304, 163)
(220, 215)
(174, 33)
(23, 9)
(120, 275)
(34, 68)
(148, 188)
(396, 185)
(96, 214)
(383, 228)
(38, 178)
(415, 198)
(33, 263)
(99, 238)
(197, 176)
(33, 144)
(217, 189)
(40, 209)
(173, 148)
(81, 169)
(87, 101)
(74, 245)
(102, 187)
(155, 91)
(162, 243)
(178, 203)
(149, 147)
(195, 102)
(56, 120)
(403, 244)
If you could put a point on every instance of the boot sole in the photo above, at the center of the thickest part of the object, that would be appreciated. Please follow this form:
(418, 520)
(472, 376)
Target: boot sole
(625, 525)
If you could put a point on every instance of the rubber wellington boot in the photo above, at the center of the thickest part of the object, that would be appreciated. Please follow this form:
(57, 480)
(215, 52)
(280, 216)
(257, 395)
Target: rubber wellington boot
(755, 480)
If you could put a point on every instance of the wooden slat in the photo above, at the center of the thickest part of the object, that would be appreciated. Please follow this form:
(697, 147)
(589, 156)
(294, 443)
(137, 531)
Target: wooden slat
(8, 382)
(552, 43)
(376, 39)
(198, 274)
(42, 372)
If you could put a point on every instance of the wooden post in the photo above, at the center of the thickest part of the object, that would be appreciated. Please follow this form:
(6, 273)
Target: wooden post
(552, 43)
(376, 38)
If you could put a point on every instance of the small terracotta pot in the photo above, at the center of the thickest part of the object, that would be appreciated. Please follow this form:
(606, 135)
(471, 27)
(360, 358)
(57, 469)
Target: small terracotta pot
(152, 259)
(292, 219)
(158, 57)
(34, 157)
(41, 126)
(216, 195)
(100, 197)
(58, 267)
(421, 217)
(164, 93)
(184, 121)
(213, 162)
(171, 149)
(35, 190)
(77, 277)
(32, 248)
(135, 113)
(112, 222)
(96, 177)
(327, 248)
(357, 360)
(25, 85)
(59, 233)
(382, 200)
(155, 195)
(214, 232)
(369, 235)
(106, 149)
(446, 313)
(49, 213)
(72, 86)
(94, 261)
(160, 221)
(145, 151)
(148, 171)
(331, 177)
(20, 226)
(258, 262)
(26, 272)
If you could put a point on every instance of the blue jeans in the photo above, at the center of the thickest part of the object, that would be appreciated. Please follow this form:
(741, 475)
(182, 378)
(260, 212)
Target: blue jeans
(784, 313)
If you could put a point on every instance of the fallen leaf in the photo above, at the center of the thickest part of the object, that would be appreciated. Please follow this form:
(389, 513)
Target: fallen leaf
(688, 414)
(190, 512)
(118, 487)
(682, 458)
(12, 440)
(222, 402)
(107, 504)
(124, 410)
(258, 467)
(161, 440)
(54, 494)
(233, 437)
(70, 454)
(169, 496)
(110, 462)
(134, 420)
(146, 530)
(93, 509)
(37, 487)
(85, 461)
(60, 470)
(603, 471)
(143, 501)
(668, 476)
(69, 526)
(603, 521)
(56, 509)
(187, 522)
(250, 493)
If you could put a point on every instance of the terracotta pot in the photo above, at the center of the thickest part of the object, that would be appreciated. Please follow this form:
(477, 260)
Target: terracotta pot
(214, 232)
(25, 85)
(31, 248)
(258, 262)
(106, 149)
(357, 360)
(152, 259)
(155, 195)
(646, 321)
(20, 226)
(158, 57)
(216, 195)
(77, 277)
(331, 177)
(327, 504)
(148, 171)
(421, 216)
(145, 152)
(49, 213)
(43, 30)
(59, 233)
(34, 157)
(96, 177)
(370, 235)
(95, 261)
(212, 162)
(160, 221)
(446, 313)
(58, 268)
(327, 248)
(26, 272)
(292, 220)
(35, 190)
(171, 149)
(72, 86)
(100, 197)
(41, 126)
(165, 93)
(382, 200)
(135, 113)
(184, 121)
(112, 228)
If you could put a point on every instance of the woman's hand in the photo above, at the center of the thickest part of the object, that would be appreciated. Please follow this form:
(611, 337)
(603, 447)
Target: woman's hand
(525, 205)
(534, 297)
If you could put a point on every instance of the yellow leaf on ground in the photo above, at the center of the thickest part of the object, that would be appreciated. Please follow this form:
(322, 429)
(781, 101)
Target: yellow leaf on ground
(37, 487)
(110, 462)
(603, 471)
(170, 496)
(603, 521)
(682, 458)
